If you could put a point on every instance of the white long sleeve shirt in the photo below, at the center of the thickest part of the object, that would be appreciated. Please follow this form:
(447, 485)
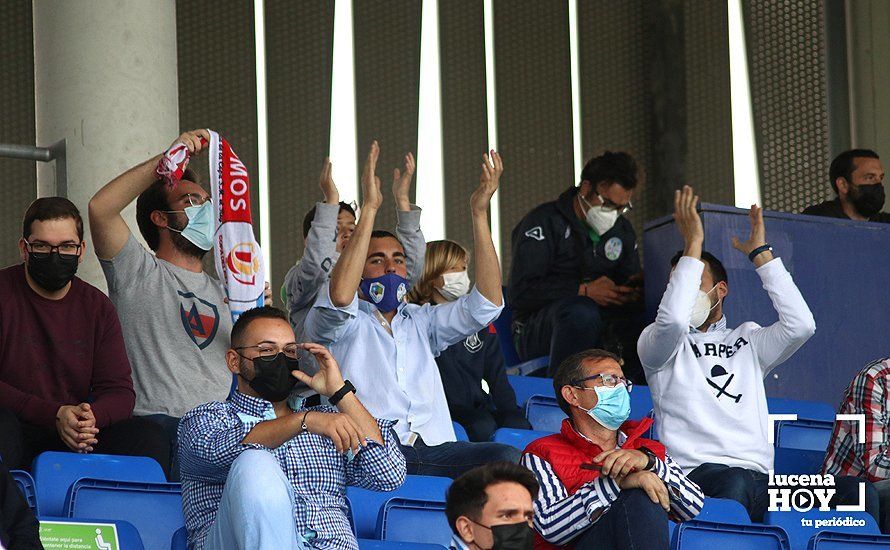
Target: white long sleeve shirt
(707, 387)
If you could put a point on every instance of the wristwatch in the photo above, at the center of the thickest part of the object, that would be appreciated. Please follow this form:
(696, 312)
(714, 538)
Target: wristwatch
(650, 465)
(341, 393)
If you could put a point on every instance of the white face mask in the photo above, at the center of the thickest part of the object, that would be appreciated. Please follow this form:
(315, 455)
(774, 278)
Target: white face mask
(599, 219)
(456, 285)
(702, 308)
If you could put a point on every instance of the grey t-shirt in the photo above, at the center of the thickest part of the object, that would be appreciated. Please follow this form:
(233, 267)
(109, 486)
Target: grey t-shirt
(176, 327)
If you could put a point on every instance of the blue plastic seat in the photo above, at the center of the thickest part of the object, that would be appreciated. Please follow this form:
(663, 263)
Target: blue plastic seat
(801, 445)
(544, 414)
(517, 438)
(154, 508)
(830, 540)
(371, 544)
(127, 536)
(723, 510)
(800, 535)
(365, 505)
(26, 485)
(640, 402)
(55, 472)
(180, 539)
(805, 410)
(459, 432)
(707, 535)
(527, 386)
(414, 520)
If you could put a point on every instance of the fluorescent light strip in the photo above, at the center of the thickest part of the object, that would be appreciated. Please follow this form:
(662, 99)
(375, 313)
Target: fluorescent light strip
(744, 145)
(490, 95)
(576, 87)
(262, 135)
(342, 147)
(430, 166)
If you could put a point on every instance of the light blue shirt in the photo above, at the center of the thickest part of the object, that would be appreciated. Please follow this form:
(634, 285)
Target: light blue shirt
(395, 375)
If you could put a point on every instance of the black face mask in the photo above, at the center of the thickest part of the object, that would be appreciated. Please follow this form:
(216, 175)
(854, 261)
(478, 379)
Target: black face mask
(52, 272)
(511, 536)
(272, 378)
(868, 199)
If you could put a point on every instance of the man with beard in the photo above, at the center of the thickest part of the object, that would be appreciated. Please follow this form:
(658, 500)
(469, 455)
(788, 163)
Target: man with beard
(858, 181)
(176, 322)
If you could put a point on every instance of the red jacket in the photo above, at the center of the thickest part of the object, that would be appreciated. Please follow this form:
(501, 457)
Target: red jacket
(567, 450)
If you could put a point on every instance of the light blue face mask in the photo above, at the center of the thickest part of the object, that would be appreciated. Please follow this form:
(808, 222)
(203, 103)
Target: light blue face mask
(201, 226)
(612, 407)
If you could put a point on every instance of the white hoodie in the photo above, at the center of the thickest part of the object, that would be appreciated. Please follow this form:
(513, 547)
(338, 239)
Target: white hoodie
(707, 387)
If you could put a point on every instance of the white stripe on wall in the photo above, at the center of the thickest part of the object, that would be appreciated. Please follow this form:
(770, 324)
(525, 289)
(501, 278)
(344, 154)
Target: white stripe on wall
(490, 94)
(576, 88)
(342, 147)
(744, 145)
(430, 164)
(262, 135)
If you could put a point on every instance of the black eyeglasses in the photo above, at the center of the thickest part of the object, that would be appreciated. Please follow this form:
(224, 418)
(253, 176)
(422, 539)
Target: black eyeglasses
(43, 250)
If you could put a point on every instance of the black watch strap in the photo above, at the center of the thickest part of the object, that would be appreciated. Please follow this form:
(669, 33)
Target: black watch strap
(650, 465)
(759, 250)
(341, 393)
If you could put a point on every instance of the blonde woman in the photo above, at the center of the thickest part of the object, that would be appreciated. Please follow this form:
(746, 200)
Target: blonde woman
(479, 396)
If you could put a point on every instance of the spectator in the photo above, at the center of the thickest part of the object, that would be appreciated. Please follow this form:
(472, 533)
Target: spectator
(575, 280)
(707, 379)
(602, 484)
(19, 529)
(388, 346)
(491, 507)
(867, 394)
(326, 230)
(64, 376)
(258, 475)
(473, 374)
(175, 318)
(857, 179)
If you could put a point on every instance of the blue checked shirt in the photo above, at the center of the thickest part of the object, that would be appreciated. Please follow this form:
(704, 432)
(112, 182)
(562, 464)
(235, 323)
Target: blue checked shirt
(210, 440)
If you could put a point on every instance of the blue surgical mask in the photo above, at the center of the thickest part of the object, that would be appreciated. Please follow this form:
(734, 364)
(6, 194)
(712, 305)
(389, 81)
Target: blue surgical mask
(612, 407)
(201, 226)
(385, 292)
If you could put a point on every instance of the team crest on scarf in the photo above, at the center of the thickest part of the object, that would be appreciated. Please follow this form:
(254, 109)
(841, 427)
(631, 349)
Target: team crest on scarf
(200, 318)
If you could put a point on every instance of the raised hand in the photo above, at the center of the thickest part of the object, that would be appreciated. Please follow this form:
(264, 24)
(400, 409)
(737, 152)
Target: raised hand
(757, 237)
(326, 182)
(492, 168)
(371, 194)
(688, 221)
(328, 380)
(401, 184)
(192, 140)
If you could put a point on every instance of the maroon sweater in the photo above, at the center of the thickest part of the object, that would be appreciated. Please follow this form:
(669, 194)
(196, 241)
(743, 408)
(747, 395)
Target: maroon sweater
(61, 352)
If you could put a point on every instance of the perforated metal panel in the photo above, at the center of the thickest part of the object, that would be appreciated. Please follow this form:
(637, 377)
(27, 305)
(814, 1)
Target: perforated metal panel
(17, 100)
(299, 50)
(533, 107)
(387, 78)
(464, 117)
(787, 70)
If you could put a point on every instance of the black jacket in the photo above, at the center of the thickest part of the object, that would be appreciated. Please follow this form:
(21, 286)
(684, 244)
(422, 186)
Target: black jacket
(833, 209)
(553, 255)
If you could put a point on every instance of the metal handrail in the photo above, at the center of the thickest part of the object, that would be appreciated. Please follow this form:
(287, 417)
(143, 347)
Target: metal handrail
(55, 152)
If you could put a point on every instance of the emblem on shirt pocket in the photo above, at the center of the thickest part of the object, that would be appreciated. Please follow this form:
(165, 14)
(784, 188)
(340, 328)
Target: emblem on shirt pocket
(613, 248)
(718, 372)
(473, 343)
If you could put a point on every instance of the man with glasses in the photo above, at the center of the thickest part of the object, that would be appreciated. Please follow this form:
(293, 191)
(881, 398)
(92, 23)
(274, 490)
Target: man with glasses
(64, 375)
(175, 319)
(603, 485)
(257, 474)
(857, 179)
(575, 281)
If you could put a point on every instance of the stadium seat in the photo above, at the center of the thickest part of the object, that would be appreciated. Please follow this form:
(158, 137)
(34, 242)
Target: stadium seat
(127, 536)
(370, 544)
(527, 386)
(54, 473)
(830, 540)
(640, 402)
(154, 508)
(414, 520)
(517, 438)
(364, 505)
(800, 535)
(801, 445)
(26, 485)
(805, 410)
(544, 414)
(723, 510)
(459, 432)
(706, 535)
(180, 539)
(503, 328)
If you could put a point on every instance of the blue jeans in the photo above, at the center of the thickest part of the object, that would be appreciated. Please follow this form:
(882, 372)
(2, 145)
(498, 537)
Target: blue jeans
(749, 488)
(632, 522)
(256, 510)
(453, 459)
